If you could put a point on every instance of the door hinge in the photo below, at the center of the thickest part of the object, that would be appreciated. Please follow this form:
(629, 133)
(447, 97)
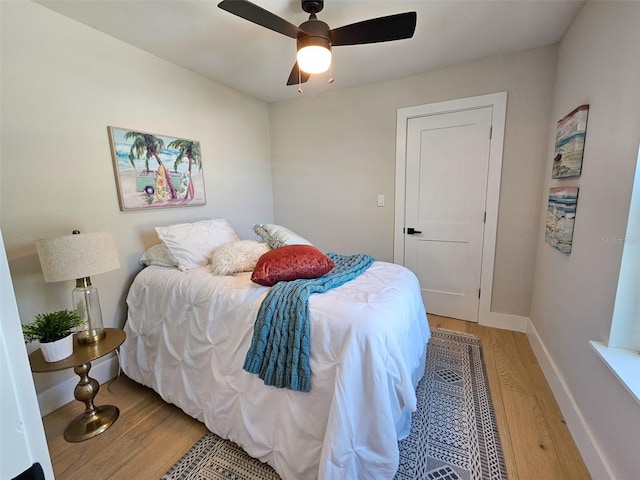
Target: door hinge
(479, 290)
(490, 132)
(485, 218)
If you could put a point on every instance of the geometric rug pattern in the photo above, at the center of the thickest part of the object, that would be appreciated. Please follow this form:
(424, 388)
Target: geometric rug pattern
(213, 458)
(453, 435)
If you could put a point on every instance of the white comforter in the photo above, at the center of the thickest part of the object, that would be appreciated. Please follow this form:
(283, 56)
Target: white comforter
(188, 333)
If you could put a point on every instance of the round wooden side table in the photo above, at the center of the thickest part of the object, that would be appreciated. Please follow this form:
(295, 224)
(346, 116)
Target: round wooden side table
(94, 420)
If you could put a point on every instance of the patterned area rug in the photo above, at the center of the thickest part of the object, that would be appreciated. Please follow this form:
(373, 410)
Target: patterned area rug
(453, 435)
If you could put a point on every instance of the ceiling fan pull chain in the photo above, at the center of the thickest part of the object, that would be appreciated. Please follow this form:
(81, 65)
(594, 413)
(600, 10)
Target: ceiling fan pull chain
(331, 73)
(299, 81)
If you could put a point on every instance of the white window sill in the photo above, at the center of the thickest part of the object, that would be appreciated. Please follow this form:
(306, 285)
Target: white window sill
(624, 363)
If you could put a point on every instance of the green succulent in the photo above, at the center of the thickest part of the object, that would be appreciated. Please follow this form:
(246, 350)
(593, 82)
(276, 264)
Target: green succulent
(49, 327)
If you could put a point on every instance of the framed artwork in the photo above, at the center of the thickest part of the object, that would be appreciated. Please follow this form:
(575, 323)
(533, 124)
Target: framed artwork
(561, 215)
(570, 135)
(156, 171)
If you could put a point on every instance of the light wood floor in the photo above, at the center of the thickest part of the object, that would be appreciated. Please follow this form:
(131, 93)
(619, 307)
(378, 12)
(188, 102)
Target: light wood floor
(150, 435)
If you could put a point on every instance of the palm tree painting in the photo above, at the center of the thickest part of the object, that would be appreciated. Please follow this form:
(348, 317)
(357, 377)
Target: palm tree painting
(191, 150)
(151, 171)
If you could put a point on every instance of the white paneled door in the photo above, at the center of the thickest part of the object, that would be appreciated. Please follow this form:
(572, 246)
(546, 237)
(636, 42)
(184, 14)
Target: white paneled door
(447, 162)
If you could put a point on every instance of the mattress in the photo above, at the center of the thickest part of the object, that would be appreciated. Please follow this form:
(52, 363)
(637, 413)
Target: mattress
(188, 334)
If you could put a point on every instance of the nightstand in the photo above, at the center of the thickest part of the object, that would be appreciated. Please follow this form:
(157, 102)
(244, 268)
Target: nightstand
(94, 420)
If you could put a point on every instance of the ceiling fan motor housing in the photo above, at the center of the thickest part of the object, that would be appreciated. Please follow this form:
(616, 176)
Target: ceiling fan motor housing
(314, 32)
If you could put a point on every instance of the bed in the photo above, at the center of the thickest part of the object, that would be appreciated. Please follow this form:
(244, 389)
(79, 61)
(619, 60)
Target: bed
(188, 332)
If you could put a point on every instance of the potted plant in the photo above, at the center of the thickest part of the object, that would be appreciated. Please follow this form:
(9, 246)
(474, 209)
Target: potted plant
(54, 331)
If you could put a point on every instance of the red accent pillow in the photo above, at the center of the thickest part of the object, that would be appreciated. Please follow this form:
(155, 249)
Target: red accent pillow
(290, 263)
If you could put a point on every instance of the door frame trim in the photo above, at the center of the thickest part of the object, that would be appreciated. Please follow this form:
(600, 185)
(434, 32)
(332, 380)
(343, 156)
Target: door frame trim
(498, 101)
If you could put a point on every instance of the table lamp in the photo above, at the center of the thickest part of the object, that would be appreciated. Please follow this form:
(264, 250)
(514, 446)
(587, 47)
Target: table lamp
(78, 256)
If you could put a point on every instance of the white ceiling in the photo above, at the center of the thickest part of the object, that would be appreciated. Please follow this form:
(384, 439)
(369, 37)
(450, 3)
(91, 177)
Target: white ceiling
(199, 36)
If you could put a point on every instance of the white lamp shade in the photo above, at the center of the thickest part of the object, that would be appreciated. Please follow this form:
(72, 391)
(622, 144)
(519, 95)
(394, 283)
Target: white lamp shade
(314, 59)
(77, 256)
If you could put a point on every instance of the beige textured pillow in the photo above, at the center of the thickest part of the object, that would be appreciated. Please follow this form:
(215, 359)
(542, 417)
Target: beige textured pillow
(234, 257)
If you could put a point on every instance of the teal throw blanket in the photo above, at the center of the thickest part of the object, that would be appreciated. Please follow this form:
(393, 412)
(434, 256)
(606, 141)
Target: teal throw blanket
(279, 351)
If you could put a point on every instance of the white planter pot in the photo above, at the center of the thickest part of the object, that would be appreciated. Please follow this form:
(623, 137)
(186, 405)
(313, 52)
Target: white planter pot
(58, 350)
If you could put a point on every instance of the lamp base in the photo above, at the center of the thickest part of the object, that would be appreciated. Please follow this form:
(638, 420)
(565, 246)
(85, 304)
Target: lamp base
(90, 424)
(90, 336)
(94, 420)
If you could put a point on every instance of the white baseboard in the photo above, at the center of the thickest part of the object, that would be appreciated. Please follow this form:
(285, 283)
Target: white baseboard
(592, 455)
(102, 370)
(504, 321)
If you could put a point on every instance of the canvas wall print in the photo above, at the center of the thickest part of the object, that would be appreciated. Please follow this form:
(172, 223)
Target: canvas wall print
(570, 136)
(156, 171)
(561, 215)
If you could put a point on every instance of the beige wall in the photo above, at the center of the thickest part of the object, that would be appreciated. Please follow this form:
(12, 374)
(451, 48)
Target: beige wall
(62, 84)
(574, 294)
(332, 155)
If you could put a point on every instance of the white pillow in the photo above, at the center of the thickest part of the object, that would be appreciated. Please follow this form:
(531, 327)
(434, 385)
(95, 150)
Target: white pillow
(191, 244)
(157, 255)
(278, 236)
(240, 256)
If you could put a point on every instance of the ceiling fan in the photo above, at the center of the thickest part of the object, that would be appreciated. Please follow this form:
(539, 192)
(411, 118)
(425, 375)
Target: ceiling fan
(314, 37)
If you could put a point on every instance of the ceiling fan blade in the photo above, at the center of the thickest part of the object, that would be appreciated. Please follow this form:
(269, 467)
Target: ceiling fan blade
(382, 29)
(294, 79)
(260, 16)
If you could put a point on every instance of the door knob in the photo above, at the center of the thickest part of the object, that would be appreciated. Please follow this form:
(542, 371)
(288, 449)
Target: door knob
(411, 231)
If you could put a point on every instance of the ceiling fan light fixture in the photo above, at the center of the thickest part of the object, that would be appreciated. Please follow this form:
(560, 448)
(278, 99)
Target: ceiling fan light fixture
(314, 58)
(315, 38)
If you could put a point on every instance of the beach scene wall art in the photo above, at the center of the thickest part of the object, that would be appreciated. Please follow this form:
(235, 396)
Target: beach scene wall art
(561, 215)
(156, 171)
(569, 148)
